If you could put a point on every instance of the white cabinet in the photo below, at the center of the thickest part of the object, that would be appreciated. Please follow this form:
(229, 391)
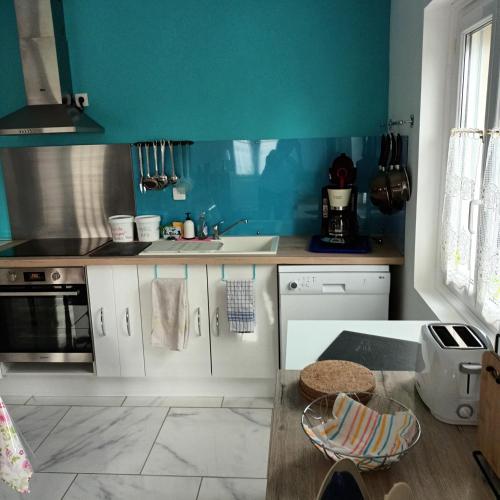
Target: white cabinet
(128, 321)
(194, 361)
(121, 308)
(252, 355)
(116, 320)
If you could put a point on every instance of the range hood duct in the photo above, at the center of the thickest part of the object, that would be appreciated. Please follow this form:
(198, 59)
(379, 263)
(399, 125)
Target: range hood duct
(47, 74)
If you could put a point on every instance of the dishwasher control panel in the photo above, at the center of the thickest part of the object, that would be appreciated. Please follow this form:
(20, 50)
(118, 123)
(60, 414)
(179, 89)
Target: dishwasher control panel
(332, 283)
(302, 282)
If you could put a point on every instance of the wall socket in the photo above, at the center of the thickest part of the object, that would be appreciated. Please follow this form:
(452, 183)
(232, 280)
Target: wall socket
(85, 98)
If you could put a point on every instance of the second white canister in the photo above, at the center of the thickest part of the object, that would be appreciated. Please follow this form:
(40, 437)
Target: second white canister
(148, 227)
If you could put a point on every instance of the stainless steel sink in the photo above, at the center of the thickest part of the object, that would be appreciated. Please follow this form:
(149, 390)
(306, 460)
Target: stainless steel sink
(230, 245)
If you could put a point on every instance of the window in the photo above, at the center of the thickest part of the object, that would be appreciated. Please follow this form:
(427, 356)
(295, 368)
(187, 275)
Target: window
(469, 230)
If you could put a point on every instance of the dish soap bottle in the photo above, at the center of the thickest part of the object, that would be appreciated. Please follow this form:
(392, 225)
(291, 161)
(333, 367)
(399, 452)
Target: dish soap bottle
(189, 233)
(202, 227)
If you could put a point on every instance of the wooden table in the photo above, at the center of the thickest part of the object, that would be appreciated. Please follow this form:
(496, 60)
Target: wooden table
(440, 467)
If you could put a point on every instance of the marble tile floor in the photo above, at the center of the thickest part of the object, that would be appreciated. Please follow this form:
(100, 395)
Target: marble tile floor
(168, 448)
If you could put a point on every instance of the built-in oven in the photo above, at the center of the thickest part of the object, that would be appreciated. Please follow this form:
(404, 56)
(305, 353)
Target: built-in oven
(44, 316)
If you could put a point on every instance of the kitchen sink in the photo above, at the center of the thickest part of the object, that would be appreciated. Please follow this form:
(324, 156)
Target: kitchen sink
(230, 245)
(249, 245)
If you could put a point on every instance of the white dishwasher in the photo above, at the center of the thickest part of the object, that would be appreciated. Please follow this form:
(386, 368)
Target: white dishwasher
(332, 292)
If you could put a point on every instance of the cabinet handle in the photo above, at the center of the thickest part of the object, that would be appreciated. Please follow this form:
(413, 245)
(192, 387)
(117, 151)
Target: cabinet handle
(127, 319)
(217, 330)
(199, 320)
(101, 316)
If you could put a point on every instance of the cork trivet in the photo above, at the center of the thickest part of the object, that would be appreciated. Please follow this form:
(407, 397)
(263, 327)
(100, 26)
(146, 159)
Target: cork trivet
(330, 376)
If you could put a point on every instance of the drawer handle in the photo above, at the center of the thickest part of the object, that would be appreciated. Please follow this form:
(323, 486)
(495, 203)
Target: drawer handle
(217, 329)
(199, 320)
(101, 316)
(127, 319)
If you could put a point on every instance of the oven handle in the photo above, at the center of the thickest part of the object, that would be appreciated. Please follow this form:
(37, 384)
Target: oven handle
(38, 294)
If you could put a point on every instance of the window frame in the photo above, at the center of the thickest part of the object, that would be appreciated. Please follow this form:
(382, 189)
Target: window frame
(467, 16)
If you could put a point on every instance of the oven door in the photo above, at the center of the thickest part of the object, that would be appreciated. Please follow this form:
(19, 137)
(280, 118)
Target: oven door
(45, 323)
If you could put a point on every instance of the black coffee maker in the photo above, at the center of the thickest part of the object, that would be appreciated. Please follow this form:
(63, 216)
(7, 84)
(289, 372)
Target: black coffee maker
(339, 222)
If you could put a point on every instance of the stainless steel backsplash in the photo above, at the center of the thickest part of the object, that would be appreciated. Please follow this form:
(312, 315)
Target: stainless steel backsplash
(67, 191)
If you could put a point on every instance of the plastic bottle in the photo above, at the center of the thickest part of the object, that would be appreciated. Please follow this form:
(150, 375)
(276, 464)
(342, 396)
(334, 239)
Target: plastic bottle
(202, 227)
(189, 232)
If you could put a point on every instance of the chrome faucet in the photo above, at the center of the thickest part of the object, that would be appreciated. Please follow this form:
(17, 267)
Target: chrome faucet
(217, 233)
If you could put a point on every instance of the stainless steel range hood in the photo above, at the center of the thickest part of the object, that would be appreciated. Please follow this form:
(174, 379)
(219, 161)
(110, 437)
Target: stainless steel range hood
(47, 74)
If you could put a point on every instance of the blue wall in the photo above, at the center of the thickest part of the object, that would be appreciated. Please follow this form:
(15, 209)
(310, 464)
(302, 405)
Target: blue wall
(217, 70)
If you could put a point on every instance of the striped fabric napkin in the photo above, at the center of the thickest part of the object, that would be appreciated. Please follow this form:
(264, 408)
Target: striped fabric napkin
(356, 429)
(240, 296)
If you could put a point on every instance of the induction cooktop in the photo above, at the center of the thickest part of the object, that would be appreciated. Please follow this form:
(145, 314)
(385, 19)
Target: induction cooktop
(54, 247)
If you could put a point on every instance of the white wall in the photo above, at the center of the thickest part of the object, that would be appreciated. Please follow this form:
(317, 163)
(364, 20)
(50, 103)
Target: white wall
(404, 99)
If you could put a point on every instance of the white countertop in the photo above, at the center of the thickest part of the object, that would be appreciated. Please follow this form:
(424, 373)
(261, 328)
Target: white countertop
(306, 340)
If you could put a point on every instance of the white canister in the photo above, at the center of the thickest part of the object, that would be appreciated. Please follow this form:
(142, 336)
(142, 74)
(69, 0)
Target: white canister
(122, 228)
(148, 227)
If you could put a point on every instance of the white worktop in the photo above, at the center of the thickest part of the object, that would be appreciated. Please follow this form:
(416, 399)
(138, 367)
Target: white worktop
(306, 340)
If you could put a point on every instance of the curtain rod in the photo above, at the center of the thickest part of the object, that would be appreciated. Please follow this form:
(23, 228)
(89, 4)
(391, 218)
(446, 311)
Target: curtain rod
(475, 131)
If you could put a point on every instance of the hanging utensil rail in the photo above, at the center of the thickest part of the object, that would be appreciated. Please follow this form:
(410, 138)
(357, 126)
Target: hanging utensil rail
(159, 180)
(397, 123)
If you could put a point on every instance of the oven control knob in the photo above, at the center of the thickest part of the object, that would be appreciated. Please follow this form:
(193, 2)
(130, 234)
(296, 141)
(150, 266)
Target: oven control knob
(56, 276)
(293, 285)
(465, 411)
(12, 276)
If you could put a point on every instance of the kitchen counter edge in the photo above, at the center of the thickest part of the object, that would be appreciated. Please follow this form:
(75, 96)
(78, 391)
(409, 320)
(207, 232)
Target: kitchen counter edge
(292, 250)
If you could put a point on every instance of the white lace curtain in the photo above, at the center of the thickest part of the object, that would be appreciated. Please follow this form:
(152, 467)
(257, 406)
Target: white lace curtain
(458, 244)
(488, 277)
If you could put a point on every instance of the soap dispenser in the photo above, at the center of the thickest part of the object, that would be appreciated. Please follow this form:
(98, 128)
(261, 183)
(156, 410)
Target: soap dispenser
(189, 233)
(202, 227)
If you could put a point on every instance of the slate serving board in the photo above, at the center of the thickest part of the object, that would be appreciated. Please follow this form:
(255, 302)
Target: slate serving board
(376, 353)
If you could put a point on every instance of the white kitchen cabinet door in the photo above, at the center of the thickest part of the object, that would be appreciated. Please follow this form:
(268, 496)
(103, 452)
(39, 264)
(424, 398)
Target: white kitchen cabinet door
(128, 321)
(102, 310)
(194, 361)
(251, 355)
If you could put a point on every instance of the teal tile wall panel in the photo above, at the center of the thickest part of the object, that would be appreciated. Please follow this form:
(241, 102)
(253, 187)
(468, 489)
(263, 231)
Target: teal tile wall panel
(276, 184)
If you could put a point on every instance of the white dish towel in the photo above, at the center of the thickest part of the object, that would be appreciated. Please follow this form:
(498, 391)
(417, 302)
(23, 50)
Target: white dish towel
(170, 314)
(240, 296)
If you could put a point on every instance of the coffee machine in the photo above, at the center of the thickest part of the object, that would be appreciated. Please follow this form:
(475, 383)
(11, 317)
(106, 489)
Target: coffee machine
(339, 199)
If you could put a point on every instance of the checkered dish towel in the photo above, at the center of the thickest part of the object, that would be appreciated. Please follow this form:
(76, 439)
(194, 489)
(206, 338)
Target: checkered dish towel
(240, 295)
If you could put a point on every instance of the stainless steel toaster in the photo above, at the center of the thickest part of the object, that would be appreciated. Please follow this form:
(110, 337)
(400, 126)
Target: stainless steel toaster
(450, 365)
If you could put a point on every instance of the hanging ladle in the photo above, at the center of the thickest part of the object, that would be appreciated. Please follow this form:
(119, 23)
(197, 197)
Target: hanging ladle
(173, 177)
(148, 182)
(163, 180)
(141, 170)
